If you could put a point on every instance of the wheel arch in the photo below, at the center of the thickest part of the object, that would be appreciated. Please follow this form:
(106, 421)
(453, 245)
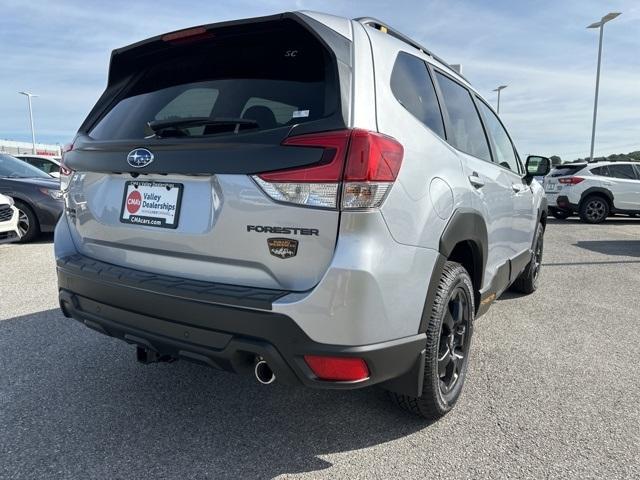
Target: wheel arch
(25, 200)
(543, 212)
(464, 240)
(600, 191)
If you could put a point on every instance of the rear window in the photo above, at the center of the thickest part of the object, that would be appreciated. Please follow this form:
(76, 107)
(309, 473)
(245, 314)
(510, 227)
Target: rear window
(11, 167)
(566, 170)
(270, 77)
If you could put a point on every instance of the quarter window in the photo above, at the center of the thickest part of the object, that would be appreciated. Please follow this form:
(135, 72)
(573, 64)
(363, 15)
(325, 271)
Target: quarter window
(467, 132)
(412, 86)
(505, 153)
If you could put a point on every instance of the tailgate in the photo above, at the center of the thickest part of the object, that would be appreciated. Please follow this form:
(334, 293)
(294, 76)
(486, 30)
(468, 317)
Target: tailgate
(180, 199)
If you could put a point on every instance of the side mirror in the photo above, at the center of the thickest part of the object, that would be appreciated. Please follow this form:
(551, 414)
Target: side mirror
(537, 166)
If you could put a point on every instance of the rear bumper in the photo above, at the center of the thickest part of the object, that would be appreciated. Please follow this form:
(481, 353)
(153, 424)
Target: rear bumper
(563, 203)
(222, 326)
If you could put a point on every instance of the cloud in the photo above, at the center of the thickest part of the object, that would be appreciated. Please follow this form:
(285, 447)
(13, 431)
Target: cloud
(540, 49)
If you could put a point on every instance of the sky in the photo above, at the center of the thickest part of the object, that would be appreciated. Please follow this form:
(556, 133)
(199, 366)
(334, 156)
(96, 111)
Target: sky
(539, 48)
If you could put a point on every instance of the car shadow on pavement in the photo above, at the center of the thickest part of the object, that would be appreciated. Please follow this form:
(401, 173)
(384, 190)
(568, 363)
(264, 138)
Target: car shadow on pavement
(611, 221)
(44, 238)
(75, 403)
(626, 248)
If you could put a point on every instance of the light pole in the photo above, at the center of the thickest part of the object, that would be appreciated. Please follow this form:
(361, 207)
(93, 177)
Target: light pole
(608, 17)
(33, 133)
(501, 87)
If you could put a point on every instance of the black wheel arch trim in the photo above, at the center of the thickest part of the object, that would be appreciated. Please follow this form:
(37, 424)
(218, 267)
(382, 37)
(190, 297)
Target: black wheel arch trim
(465, 225)
(542, 211)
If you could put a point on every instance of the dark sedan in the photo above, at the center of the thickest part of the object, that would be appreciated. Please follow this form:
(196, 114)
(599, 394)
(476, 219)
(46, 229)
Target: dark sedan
(37, 196)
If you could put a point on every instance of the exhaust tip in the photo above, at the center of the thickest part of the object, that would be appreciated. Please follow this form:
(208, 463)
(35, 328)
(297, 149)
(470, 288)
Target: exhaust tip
(263, 373)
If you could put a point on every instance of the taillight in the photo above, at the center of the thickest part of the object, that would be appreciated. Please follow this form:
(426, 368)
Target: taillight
(571, 180)
(65, 172)
(365, 164)
(373, 164)
(338, 369)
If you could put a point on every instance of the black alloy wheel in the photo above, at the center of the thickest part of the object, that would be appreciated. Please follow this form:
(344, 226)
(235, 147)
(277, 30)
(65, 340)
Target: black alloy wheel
(454, 347)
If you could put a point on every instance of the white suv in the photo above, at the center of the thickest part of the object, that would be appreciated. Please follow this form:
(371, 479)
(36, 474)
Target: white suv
(301, 196)
(594, 190)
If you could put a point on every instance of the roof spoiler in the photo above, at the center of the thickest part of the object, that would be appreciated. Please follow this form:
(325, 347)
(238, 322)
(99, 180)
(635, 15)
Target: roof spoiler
(123, 59)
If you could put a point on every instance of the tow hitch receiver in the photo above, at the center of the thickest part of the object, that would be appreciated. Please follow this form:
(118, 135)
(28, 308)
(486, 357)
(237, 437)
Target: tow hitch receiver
(146, 356)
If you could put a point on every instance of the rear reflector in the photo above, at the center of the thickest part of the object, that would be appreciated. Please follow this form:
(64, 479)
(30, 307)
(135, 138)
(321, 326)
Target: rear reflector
(364, 163)
(571, 180)
(338, 369)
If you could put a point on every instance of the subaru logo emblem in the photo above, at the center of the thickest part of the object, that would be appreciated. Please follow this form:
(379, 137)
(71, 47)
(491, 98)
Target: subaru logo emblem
(140, 157)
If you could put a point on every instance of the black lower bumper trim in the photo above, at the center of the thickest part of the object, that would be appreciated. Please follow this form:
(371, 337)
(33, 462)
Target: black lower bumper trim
(221, 336)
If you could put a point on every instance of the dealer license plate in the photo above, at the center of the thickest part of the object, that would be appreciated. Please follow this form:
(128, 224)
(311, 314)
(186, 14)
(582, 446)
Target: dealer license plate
(155, 204)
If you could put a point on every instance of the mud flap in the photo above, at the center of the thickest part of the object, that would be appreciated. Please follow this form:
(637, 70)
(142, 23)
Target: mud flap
(410, 383)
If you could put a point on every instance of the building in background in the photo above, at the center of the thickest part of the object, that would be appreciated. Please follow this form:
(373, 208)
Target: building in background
(19, 148)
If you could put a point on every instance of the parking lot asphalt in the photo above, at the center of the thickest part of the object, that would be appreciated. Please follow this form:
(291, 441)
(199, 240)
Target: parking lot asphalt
(552, 392)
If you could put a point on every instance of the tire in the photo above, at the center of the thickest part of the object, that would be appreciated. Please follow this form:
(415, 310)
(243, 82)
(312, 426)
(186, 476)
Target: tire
(27, 222)
(450, 324)
(561, 214)
(594, 209)
(527, 281)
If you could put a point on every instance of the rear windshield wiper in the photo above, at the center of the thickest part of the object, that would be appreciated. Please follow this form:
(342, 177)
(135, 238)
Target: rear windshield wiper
(158, 126)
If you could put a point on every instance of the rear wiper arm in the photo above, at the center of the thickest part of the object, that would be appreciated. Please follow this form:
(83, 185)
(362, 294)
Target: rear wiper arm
(159, 125)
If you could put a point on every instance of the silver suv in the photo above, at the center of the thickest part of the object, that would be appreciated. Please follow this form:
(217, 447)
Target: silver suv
(301, 196)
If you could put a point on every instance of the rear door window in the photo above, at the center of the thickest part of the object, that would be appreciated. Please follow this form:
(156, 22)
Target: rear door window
(504, 150)
(412, 86)
(467, 131)
(622, 171)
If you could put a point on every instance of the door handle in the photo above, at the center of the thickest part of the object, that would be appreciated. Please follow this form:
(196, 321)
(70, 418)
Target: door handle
(518, 187)
(475, 180)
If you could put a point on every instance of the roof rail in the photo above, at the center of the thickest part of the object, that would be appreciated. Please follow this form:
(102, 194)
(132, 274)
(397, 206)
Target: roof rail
(384, 28)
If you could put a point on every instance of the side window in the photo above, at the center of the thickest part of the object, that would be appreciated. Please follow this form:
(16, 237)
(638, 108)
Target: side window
(622, 171)
(505, 153)
(194, 102)
(467, 132)
(600, 171)
(281, 112)
(38, 163)
(412, 86)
